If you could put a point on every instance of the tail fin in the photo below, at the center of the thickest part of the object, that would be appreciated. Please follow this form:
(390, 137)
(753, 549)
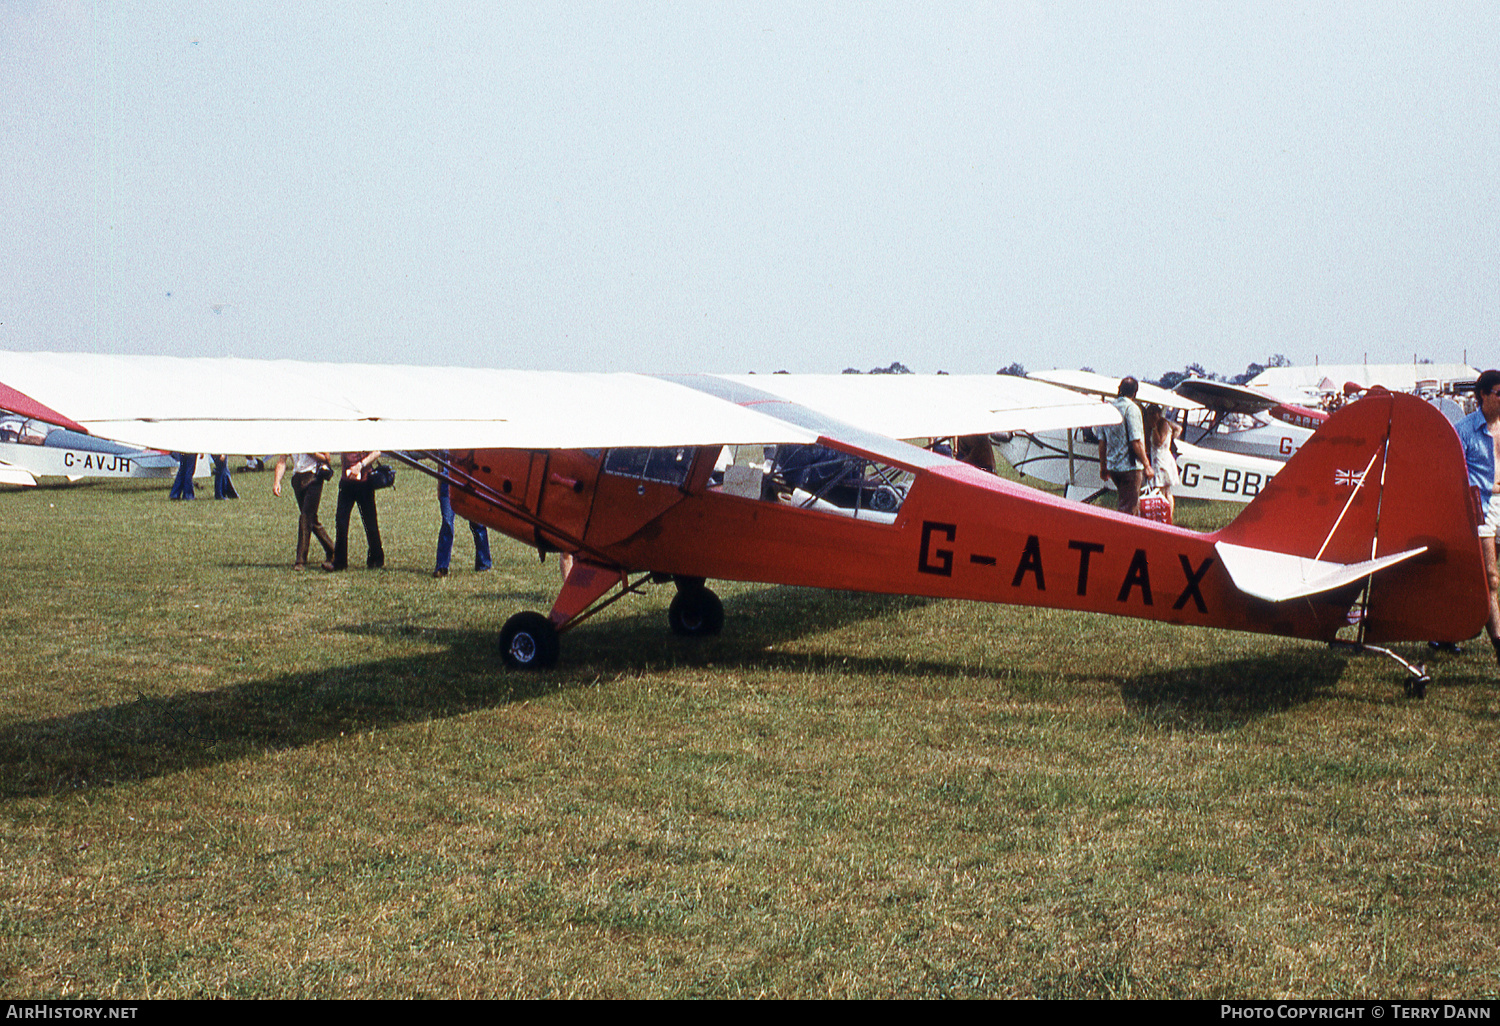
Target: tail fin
(1383, 476)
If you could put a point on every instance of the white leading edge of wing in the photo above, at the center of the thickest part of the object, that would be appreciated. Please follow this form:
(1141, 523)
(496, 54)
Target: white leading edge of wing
(1277, 577)
(1103, 385)
(264, 406)
(935, 405)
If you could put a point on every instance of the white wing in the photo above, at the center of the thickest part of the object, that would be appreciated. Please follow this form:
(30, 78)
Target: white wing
(234, 405)
(1108, 387)
(936, 405)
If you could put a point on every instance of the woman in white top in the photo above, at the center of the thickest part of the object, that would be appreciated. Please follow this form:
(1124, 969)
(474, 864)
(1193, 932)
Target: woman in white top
(1161, 432)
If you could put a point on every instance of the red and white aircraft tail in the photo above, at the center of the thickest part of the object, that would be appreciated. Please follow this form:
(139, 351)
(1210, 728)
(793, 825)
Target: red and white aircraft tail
(1380, 494)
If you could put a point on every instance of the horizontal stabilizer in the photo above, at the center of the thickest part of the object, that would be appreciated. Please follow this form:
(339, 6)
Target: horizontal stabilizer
(1277, 577)
(15, 476)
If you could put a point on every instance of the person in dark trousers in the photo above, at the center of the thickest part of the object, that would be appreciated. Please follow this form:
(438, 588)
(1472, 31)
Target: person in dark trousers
(1122, 449)
(356, 489)
(309, 471)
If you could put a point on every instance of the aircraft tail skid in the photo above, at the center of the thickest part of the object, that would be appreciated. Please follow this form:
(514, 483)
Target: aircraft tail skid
(1378, 498)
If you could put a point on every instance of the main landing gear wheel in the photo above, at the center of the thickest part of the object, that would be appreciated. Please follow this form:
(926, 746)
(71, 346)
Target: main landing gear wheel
(528, 642)
(695, 613)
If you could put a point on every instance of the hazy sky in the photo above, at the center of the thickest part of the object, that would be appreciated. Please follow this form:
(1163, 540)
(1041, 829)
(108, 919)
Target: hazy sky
(703, 186)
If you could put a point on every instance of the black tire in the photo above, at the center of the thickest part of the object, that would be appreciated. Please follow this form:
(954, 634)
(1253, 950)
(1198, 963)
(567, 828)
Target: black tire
(696, 613)
(528, 642)
(1417, 688)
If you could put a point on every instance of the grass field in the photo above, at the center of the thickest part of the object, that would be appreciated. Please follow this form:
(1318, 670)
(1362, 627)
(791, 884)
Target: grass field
(221, 778)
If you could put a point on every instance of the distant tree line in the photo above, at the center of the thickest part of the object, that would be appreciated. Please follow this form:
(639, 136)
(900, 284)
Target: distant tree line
(896, 367)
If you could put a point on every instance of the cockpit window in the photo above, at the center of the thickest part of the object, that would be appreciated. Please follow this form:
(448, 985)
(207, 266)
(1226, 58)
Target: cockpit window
(814, 477)
(667, 466)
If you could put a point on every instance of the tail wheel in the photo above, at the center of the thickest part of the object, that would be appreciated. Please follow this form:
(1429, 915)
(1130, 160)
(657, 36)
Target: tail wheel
(1416, 687)
(528, 642)
(696, 613)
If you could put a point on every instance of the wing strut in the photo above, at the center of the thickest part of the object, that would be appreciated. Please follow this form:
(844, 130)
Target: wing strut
(461, 479)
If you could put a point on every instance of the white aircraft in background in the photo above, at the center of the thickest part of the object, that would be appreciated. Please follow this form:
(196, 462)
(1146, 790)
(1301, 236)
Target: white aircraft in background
(37, 441)
(74, 457)
(1248, 421)
(1071, 458)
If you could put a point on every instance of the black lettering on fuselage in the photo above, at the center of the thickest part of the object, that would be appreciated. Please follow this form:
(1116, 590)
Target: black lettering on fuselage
(1031, 563)
(1137, 577)
(1193, 577)
(1231, 485)
(943, 565)
(1084, 549)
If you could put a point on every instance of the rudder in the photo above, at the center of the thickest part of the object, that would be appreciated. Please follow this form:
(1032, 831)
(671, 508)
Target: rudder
(1384, 475)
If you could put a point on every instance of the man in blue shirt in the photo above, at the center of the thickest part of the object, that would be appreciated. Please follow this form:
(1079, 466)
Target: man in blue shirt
(1122, 449)
(1477, 433)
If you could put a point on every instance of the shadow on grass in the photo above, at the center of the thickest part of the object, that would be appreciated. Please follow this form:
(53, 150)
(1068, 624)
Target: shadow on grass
(1225, 695)
(153, 736)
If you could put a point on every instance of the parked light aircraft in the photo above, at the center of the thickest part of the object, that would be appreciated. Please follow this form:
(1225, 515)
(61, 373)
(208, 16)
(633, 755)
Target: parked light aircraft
(1246, 420)
(1071, 459)
(73, 456)
(37, 441)
(1216, 415)
(1371, 523)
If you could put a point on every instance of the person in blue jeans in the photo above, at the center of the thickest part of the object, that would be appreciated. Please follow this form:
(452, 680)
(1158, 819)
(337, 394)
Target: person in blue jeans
(187, 466)
(445, 537)
(223, 485)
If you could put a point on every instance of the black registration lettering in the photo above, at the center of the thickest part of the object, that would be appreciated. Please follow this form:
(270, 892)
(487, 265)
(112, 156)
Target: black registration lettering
(1031, 563)
(1137, 577)
(1084, 550)
(936, 561)
(1193, 577)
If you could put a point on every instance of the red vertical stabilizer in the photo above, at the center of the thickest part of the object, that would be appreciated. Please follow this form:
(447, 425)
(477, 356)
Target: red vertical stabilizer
(1384, 475)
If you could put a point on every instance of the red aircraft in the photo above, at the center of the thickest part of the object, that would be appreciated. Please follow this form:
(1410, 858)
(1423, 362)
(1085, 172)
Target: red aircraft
(1370, 530)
